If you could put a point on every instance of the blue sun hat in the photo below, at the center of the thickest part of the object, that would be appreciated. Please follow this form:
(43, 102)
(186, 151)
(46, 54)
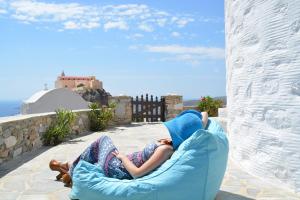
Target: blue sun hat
(183, 126)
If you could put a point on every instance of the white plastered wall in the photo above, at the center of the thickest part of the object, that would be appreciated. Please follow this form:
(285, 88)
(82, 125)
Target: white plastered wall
(51, 100)
(263, 87)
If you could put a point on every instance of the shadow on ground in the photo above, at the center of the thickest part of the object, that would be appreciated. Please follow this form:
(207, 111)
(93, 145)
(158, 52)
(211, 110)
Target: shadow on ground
(11, 165)
(133, 124)
(223, 195)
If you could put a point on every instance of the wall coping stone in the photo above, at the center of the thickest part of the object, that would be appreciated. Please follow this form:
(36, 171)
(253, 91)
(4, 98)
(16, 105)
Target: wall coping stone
(22, 117)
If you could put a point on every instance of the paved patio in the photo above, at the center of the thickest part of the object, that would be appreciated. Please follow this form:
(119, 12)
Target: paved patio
(28, 177)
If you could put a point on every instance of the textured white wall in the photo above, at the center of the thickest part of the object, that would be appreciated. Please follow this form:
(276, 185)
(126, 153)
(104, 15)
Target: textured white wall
(263, 87)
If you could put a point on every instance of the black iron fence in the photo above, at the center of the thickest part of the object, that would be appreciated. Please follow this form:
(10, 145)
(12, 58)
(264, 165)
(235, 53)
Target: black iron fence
(149, 110)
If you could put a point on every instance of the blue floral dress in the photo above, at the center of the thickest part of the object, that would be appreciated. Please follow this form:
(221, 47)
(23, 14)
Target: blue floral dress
(100, 153)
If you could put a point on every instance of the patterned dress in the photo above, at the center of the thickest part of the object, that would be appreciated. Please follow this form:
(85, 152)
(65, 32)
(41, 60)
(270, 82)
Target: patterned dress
(100, 153)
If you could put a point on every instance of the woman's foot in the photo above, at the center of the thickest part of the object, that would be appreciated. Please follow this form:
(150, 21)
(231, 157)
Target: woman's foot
(62, 168)
(66, 178)
(58, 166)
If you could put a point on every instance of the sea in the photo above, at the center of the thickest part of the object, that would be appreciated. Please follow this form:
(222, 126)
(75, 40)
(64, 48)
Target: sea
(10, 108)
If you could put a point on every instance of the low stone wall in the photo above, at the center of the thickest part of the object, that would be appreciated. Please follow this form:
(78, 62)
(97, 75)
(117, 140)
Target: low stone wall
(123, 110)
(174, 106)
(23, 133)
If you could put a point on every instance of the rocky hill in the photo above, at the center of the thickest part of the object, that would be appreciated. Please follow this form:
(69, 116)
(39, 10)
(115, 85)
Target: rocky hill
(92, 95)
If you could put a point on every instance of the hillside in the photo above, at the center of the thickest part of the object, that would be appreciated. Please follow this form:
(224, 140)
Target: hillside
(194, 102)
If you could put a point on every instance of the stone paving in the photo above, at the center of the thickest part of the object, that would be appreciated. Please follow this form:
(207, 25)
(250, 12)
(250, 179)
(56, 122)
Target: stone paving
(28, 177)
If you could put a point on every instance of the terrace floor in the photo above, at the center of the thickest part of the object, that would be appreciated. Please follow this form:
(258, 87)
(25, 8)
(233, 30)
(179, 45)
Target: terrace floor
(28, 177)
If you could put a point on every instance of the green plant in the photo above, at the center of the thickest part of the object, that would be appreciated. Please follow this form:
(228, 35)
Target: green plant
(210, 105)
(80, 85)
(100, 116)
(59, 128)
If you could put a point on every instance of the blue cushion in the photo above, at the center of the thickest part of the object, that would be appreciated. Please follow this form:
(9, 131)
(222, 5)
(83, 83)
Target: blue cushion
(195, 171)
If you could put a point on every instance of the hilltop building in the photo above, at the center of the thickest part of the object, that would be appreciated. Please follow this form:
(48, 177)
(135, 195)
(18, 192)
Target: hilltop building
(73, 82)
(88, 87)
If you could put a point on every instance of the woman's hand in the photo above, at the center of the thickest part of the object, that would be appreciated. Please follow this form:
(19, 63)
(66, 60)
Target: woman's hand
(118, 155)
(165, 141)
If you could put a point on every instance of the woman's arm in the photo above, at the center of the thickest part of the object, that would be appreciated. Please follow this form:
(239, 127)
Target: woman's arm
(160, 155)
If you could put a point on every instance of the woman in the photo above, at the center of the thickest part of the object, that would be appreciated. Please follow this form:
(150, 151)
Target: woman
(112, 163)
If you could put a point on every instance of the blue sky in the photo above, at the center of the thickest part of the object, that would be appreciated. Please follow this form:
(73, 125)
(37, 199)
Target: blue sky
(134, 47)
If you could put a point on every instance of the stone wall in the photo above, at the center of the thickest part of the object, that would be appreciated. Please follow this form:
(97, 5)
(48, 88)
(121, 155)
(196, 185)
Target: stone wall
(123, 110)
(263, 87)
(174, 106)
(23, 133)
(19, 134)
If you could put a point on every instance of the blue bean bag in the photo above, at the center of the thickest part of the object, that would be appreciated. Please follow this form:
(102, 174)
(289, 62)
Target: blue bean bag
(195, 171)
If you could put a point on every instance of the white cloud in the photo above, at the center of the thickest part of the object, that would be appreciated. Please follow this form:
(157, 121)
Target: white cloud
(71, 25)
(116, 25)
(183, 22)
(191, 55)
(162, 13)
(82, 16)
(187, 58)
(2, 11)
(24, 18)
(174, 19)
(175, 34)
(90, 25)
(146, 27)
(74, 25)
(210, 19)
(205, 52)
(39, 11)
(128, 10)
(135, 36)
(162, 22)
(70, 15)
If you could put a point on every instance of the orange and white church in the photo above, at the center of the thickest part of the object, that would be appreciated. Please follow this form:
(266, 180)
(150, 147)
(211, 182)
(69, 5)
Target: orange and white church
(73, 82)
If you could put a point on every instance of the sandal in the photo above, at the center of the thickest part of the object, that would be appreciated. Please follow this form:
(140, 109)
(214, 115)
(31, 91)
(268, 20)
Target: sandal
(62, 168)
(66, 178)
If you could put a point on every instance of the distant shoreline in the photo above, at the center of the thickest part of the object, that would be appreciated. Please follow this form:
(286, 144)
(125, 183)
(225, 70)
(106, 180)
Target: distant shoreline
(194, 102)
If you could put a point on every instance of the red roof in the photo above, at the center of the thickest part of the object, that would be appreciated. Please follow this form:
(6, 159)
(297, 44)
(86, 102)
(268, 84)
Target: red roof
(75, 78)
